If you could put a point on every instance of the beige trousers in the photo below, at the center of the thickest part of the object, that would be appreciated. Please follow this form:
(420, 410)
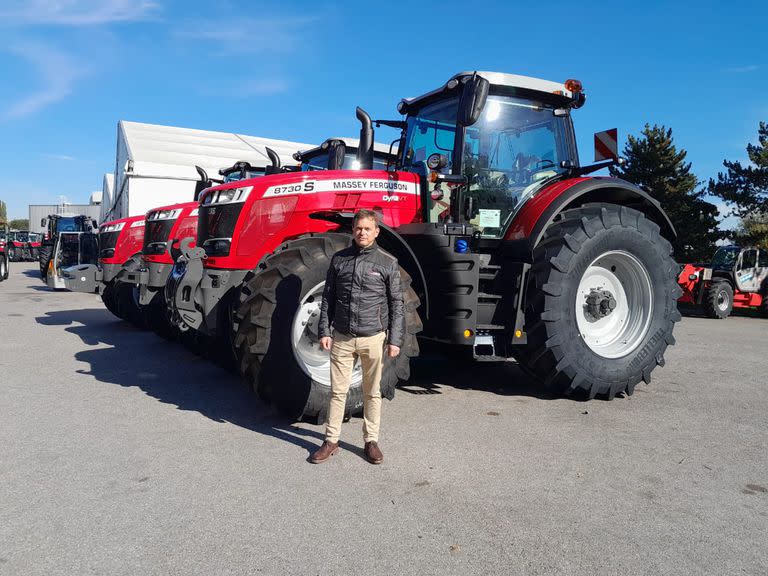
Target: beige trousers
(344, 352)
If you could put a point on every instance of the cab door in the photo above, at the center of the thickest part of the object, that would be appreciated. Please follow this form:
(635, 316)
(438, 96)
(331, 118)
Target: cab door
(747, 271)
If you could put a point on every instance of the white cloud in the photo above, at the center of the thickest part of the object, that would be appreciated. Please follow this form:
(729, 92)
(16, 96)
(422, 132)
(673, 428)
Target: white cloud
(248, 35)
(57, 73)
(63, 157)
(742, 69)
(76, 12)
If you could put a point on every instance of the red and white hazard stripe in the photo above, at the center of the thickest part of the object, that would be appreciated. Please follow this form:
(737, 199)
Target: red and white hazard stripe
(606, 145)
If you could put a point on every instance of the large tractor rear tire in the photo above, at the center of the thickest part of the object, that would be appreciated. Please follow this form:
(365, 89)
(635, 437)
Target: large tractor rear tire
(764, 305)
(44, 258)
(718, 299)
(602, 297)
(275, 327)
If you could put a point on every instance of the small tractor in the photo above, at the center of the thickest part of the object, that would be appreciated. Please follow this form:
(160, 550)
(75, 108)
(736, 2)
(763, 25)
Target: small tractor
(35, 242)
(17, 245)
(736, 278)
(68, 240)
(507, 250)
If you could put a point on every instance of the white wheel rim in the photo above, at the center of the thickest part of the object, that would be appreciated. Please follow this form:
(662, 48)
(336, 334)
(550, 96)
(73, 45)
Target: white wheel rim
(314, 361)
(723, 300)
(614, 333)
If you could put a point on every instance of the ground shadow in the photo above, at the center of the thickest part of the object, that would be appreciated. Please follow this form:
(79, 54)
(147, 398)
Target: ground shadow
(433, 369)
(31, 273)
(120, 354)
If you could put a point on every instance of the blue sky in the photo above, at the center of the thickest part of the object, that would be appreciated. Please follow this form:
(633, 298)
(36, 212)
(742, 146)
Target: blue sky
(71, 69)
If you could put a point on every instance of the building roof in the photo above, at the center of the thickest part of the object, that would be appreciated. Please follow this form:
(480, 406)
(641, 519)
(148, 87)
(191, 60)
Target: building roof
(171, 152)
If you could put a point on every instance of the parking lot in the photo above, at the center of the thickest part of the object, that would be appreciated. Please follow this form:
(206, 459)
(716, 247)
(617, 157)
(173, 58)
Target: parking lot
(121, 453)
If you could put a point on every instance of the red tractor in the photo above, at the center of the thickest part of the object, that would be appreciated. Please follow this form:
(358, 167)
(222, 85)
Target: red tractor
(736, 278)
(120, 243)
(17, 245)
(506, 249)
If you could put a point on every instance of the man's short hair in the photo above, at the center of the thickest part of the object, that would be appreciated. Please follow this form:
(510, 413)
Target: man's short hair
(360, 214)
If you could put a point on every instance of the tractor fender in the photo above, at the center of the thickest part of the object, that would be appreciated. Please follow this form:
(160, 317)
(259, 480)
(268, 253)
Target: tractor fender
(393, 243)
(539, 212)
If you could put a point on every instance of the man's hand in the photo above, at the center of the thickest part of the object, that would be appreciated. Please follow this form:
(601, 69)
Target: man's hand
(392, 350)
(326, 342)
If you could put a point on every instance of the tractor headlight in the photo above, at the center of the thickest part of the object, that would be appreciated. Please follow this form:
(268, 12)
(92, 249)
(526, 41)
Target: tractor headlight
(228, 195)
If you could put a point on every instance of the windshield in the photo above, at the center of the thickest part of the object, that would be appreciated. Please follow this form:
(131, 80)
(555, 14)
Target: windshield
(237, 175)
(516, 144)
(320, 162)
(431, 130)
(66, 224)
(725, 257)
(34, 237)
(22, 237)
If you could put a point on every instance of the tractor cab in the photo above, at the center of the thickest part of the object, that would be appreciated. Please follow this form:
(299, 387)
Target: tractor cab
(486, 142)
(341, 154)
(241, 171)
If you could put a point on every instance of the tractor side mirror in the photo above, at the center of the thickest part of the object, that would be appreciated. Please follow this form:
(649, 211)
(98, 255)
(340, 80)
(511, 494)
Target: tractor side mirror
(43, 222)
(472, 100)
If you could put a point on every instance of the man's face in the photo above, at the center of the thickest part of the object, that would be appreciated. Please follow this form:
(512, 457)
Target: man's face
(365, 232)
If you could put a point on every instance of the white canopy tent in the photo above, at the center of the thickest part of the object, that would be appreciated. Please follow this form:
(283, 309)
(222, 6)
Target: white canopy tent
(155, 165)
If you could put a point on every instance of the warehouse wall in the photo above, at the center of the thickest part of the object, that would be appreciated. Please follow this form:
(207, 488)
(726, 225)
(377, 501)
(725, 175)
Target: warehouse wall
(38, 211)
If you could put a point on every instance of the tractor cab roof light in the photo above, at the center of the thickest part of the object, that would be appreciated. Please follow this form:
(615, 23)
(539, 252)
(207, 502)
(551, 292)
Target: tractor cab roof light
(574, 86)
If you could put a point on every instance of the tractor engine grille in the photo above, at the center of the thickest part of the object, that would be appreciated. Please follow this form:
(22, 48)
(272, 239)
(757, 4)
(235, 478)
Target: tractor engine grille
(156, 233)
(107, 243)
(215, 227)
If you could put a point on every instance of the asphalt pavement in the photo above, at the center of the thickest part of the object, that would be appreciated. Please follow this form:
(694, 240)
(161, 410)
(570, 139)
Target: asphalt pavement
(121, 453)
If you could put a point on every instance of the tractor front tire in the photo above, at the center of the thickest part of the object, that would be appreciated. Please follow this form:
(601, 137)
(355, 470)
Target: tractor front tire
(44, 259)
(275, 331)
(718, 299)
(602, 302)
(3, 267)
(157, 318)
(109, 297)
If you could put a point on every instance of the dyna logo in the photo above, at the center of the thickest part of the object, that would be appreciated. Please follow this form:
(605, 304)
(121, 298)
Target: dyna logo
(393, 198)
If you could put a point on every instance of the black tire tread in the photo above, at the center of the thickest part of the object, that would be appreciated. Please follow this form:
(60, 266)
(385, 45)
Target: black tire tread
(252, 325)
(543, 356)
(709, 300)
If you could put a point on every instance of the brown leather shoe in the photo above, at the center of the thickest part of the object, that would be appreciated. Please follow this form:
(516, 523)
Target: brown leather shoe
(325, 451)
(373, 453)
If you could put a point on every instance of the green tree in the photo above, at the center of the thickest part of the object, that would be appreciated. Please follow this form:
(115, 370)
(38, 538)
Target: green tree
(753, 230)
(3, 212)
(746, 187)
(19, 224)
(654, 163)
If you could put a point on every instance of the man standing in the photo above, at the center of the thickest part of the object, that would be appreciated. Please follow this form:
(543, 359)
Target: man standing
(362, 310)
